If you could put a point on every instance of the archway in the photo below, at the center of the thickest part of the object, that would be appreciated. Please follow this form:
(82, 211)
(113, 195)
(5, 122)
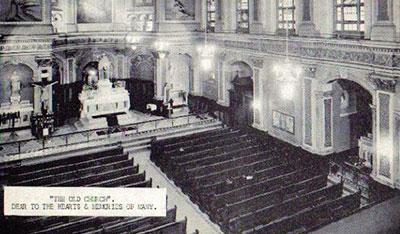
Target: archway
(353, 124)
(179, 79)
(241, 94)
(141, 82)
(25, 77)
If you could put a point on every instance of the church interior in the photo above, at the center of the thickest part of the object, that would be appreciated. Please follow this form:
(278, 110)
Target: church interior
(257, 116)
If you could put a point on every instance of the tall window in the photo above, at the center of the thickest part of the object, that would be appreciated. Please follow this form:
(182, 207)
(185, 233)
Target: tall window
(350, 17)
(243, 16)
(211, 15)
(286, 15)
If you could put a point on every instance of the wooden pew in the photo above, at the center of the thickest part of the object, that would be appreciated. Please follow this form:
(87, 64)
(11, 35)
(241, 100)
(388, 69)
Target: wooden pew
(257, 202)
(120, 181)
(253, 189)
(287, 207)
(81, 172)
(63, 161)
(311, 217)
(81, 181)
(134, 225)
(178, 227)
(68, 167)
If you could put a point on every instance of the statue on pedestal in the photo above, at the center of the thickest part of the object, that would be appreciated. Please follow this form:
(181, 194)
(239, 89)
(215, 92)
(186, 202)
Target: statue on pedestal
(15, 89)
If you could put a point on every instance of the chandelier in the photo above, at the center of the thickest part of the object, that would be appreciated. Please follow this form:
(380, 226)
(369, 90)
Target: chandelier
(206, 51)
(287, 73)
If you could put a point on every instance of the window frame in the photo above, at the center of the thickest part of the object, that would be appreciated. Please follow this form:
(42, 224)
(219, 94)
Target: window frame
(210, 21)
(239, 13)
(281, 20)
(342, 33)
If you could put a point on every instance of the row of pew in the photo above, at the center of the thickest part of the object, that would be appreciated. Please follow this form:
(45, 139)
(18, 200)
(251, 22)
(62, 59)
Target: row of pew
(252, 183)
(105, 168)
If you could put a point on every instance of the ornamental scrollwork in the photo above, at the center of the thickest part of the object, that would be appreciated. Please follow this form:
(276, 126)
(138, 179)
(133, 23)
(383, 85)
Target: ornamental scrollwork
(383, 84)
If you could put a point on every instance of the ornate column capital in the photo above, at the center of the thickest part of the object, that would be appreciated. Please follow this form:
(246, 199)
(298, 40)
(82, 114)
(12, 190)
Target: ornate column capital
(221, 56)
(44, 61)
(324, 94)
(384, 83)
(310, 71)
(258, 62)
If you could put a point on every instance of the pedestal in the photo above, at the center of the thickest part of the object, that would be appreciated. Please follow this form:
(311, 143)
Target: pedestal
(383, 32)
(24, 108)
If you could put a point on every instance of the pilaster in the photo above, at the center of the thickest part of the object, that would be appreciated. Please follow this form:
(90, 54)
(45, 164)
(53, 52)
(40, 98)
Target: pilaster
(383, 28)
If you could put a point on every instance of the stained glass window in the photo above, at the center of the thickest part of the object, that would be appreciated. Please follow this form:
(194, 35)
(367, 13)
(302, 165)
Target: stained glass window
(243, 16)
(211, 15)
(286, 14)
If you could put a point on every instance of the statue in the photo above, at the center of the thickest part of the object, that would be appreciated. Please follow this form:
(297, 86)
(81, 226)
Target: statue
(15, 97)
(15, 84)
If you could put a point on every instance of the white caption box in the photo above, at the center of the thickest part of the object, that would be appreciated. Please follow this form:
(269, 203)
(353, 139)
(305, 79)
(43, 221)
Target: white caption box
(84, 201)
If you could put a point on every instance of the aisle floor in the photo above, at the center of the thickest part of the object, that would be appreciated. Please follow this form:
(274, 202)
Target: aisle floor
(196, 219)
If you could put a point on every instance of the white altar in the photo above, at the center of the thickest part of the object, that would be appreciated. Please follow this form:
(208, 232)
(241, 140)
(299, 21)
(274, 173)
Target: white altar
(102, 101)
(17, 109)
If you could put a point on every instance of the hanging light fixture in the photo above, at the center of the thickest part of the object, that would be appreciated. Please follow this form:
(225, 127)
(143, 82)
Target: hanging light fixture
(206, 51)
(287, 72)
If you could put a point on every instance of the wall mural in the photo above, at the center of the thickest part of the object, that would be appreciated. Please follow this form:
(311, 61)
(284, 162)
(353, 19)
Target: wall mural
(94, 11)
(180, 10)
(21, 11)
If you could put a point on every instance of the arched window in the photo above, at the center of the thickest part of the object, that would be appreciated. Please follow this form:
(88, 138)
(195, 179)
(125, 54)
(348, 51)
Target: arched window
(350, 18)
(243, 16)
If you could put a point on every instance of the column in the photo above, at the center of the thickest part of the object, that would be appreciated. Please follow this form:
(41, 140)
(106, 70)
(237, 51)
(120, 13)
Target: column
(160, 76)
(196, 85)
(323, 140)
(219, 21)
(229, 15)
(257, 105)
(306, 27)
(324, 17)
(269, 16)
(384, 165)
(71, 71)
(307, 113)
(256, 16)
(221, 79)
(383, 28)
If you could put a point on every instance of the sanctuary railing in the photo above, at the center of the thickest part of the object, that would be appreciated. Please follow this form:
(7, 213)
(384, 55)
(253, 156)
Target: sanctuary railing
(19, 149)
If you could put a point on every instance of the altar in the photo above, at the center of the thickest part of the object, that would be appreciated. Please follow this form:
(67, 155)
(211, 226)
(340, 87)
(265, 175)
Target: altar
(17, 113)
(102, 99)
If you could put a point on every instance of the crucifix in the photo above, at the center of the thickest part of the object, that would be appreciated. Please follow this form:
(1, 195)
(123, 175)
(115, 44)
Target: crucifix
(44, 93)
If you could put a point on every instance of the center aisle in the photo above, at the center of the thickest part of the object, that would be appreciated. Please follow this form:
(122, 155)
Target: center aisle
(196, 219)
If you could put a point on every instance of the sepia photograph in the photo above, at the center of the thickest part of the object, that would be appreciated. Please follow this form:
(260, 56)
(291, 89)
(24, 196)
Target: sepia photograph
(200, 116)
